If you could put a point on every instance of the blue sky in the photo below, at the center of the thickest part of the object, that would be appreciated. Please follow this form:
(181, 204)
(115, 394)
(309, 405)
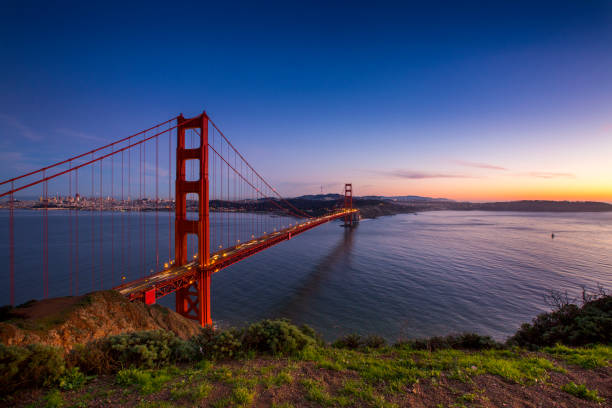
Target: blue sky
(466, 100)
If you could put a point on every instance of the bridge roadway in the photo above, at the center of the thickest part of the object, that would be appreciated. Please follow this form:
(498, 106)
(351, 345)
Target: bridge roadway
(176, 277)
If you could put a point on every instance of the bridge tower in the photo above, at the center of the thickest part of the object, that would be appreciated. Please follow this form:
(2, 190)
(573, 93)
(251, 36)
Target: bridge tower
(348, 203)
(193, 301)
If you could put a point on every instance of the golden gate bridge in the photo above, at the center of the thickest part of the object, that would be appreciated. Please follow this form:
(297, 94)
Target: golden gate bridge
(224, 212)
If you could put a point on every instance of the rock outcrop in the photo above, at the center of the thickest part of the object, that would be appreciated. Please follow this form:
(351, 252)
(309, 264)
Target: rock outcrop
(65, 322)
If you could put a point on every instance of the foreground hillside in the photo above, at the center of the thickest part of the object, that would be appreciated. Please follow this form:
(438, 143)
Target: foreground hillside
(561, 359)
(64, 322)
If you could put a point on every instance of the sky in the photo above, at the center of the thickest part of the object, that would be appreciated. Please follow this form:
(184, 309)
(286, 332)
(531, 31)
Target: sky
(465, 100)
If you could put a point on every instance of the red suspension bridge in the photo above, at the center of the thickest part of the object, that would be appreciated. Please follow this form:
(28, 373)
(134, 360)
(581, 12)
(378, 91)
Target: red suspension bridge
(114, 201)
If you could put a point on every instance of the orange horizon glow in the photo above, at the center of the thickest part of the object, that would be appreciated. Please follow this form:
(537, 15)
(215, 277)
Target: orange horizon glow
(494, 190)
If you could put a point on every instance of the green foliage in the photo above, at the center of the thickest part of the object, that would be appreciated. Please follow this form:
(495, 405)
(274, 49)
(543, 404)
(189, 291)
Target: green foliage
(148, 381)
(218, 344)
(350, 341)
(316, 392)
(581, 391)
(408, 366)
(146, 349)
(365, 393)
(570, 325)
(587, 357)
(33, 365)
(278, 337)
(465, 341)
(242, 396)
(53, 399)
(185, 390)
(470, 397)
(73, 379)
(283, 377)
(355, 341)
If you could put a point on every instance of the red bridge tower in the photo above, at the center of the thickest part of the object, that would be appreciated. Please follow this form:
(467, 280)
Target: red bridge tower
(193, 301)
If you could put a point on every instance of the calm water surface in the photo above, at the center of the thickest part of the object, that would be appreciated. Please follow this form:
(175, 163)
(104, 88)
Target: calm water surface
(402, 276)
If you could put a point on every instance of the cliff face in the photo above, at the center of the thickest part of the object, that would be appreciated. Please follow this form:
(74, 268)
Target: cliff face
(64, 322)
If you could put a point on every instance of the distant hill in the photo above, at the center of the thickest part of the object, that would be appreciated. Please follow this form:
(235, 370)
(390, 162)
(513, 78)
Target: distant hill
(416, 198)
(544, 206)
(332, 197)
(321, 197)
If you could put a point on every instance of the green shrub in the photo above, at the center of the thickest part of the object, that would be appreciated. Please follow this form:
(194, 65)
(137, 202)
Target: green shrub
(54, 399)
(73, 379)
(267, 336)
(374, 341)
(350, 341)
(217, 344)
(146, 349)
(91, 358)
(570, 325)
(276, 337)
(33, 365)
(310, 332)
(354, 341)
(581, 391)
(465, 341)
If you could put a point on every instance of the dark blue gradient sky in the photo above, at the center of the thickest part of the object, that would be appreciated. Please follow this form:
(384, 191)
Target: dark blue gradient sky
(467, 100)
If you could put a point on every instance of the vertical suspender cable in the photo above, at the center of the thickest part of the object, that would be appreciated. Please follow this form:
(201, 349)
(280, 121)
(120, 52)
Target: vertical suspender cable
(144, 196)
(122, 216)
(140, 205)
(129, 216)
(45, 239)
(76, 234)
(70, 259)
(156, 204)
(169, 195)
(112, 209)
(100, 206)
(12, 245)
(91, 209)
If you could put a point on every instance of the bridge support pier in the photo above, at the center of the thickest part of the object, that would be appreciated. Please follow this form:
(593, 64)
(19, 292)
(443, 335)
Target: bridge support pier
(193, 301)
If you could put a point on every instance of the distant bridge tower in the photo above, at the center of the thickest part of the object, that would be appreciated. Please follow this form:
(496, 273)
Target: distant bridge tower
(348, 203)
(193, 301)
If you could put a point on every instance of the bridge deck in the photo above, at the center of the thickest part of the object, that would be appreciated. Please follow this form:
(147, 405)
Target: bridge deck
(175, 277)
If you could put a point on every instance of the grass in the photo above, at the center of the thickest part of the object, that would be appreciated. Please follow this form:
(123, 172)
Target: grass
(316, 392)
(404, 366)
(363, 377)
(282, 378)
(581, 391)
(54, 399)
(239, 397)
(185, 390)
(364, 392)
(147, 381)
(586, 357)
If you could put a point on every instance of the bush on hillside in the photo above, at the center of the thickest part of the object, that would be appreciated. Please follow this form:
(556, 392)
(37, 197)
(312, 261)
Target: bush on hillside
(569, 324)
(148, 349)
(276, 337)
(354, 341)
(30, 366)
(218, 344)
(465, 341)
